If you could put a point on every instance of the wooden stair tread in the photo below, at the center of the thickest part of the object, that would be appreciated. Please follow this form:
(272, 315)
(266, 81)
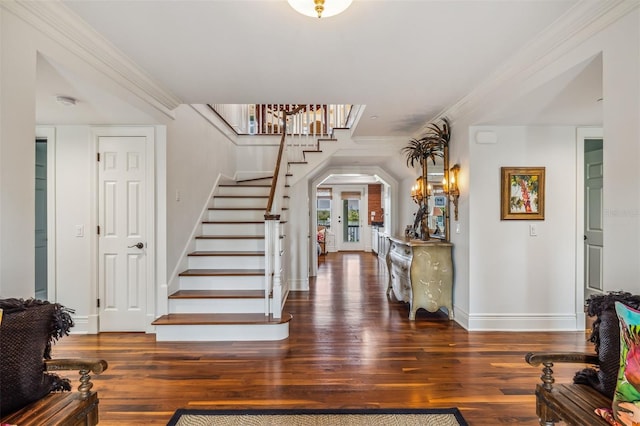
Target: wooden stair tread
(240, 196)
(222, 272)
(230, 237)
(245, 196)
(234, 222)
(221, 319)
(251, 185)
(226, 253)
(231, 222)
(242, 208)
(218, 294)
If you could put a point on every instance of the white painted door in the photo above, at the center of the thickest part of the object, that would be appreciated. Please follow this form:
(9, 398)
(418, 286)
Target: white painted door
(350, 220)
(41, 267)
(122, 268)
(593, 221)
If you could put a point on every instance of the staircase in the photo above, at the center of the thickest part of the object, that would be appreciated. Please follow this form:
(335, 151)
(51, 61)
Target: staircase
(221, 296)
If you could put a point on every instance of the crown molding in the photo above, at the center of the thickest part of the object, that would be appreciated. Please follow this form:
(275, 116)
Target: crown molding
(62, 25)
(578, 24)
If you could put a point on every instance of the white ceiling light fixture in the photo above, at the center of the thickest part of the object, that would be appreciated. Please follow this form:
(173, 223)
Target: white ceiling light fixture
(66, 100)
(320, 8)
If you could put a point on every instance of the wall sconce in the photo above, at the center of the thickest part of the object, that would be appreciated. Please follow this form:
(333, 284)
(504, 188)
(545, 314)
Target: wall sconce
(420, 192)
(451, 189)
(417, 191)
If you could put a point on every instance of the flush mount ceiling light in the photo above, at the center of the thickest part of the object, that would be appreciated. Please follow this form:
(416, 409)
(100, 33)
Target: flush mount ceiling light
(320, 8)
(66, 100)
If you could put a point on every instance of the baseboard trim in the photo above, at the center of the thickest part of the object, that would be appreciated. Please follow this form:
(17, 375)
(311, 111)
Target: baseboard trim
(526, 322)
(299, 285)
(84, 325)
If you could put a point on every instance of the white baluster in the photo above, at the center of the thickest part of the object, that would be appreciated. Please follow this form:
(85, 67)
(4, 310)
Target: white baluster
(268, 256)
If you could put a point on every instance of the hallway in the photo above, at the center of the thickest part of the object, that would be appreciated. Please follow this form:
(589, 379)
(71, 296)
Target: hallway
(349, 346)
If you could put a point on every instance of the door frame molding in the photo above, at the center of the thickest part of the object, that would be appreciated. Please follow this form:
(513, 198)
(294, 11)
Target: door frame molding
(124, 131)
(582, 133)
(49, 133)
(390, 214)
(363, 188)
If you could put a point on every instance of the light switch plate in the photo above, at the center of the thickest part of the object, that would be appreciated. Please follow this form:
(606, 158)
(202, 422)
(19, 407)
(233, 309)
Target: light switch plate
(533, 230)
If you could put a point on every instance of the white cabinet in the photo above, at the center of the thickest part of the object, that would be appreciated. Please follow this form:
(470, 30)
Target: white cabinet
(383, 245)
(421, 273)
(374, 240)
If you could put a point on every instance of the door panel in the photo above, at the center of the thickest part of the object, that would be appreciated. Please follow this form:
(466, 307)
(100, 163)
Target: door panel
(594, 229)
(351, 221)
(41, 264)
(122, 266)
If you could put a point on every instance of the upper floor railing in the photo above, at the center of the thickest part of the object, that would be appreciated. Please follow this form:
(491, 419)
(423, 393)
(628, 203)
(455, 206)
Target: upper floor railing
(269, 119)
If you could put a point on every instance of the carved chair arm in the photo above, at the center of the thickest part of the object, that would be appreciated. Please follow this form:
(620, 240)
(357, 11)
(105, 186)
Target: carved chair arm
(548, 358)
(83, 366)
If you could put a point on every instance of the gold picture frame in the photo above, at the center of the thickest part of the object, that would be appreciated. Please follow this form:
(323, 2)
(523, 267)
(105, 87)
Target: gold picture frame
(522, 193)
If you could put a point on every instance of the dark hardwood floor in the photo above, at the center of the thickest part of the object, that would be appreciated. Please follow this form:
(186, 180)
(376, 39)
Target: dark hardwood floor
(349, 346)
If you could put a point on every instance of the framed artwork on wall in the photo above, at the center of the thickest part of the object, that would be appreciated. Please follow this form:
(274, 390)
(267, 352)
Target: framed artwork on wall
(522, 193)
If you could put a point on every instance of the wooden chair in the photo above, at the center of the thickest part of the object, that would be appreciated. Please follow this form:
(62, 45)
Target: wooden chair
(32, 392)
(575, 403)
(321, 237)
(64, 408)
(572, 403)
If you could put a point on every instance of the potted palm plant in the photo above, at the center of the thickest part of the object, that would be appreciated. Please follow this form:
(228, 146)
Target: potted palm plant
(435, 143)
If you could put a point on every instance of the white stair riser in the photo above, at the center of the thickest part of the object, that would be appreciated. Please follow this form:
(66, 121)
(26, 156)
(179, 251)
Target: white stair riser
(226, 262)
(251, 282)
(265, 181)
(240, 202)
(238, 215)
(254, 202)
(253, 244)
(216, 306)
(221, 333)
(233, 228)
(243, 190)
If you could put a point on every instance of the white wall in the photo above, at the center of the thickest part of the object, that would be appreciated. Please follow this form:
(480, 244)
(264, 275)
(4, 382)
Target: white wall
(257, 159)
(621, 108)
(299, 236)
(407, 207)
(17, 153)
(73, 191)
(505, 279)
(534, 276)
(198, 156)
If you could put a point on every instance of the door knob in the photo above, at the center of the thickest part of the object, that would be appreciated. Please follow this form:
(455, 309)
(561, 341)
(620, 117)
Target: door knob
(139, 245)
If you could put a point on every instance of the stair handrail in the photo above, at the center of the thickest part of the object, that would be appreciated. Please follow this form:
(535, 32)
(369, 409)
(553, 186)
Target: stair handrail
(274, 253)
(276, 173)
